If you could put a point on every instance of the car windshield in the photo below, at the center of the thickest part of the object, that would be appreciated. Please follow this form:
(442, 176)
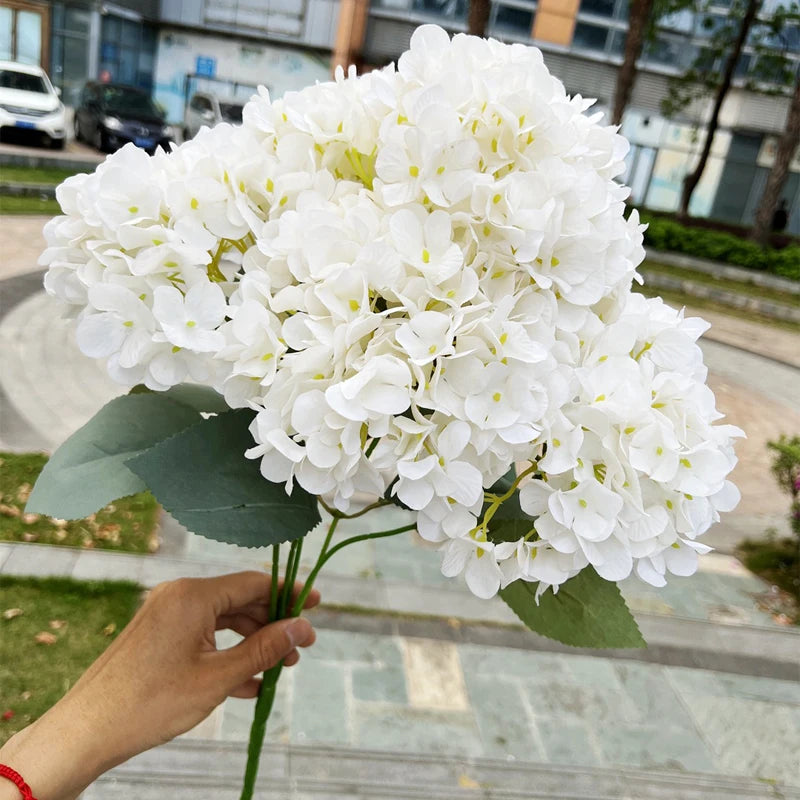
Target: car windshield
(23, 81)
(119, 100)
(231, 112)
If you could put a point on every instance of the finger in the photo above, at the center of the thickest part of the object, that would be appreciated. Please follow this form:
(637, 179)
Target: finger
(264, 649)
(246, 690)
(242, 624)
(233, 592)
(260, 611)
(291, 659)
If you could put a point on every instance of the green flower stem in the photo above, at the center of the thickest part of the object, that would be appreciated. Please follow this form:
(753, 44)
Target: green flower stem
(273, 589)
(279, 606)
(266, 698)
(325, 557)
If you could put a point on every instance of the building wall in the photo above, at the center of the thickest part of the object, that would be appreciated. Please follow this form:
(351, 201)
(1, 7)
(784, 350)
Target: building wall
(238, 67)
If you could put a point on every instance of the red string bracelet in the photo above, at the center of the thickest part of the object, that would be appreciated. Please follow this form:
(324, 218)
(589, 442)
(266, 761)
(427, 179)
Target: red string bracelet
(16, 778)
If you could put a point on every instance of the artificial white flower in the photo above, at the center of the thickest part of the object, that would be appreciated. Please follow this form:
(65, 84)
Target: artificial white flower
(417, 278)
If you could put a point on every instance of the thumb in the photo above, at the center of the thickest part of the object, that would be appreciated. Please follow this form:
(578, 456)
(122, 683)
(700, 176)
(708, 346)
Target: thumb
(266, 647)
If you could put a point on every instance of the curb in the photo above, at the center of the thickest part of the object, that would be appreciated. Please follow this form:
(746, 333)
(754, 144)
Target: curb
(719, 269)
(185, 768)
(77, 162)
(27, 190)
(767, 308)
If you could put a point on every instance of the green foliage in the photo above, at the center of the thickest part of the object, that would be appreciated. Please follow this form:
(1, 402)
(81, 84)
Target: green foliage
(88, 471)
(587, 611)
(33, 677)
(200, 398)
(669, 235)
(765, 68)
(202, 477)
(786, 469)
(128, 524)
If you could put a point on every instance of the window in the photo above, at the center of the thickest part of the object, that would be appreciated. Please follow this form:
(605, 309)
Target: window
(452, 9)
(602, 8)
(21, 35)
(513, 21)
(22, 81)
(589, 37)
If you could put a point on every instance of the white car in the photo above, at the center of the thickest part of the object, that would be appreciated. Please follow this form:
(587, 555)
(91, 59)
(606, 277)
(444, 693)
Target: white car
(29, 103)
(206, 108)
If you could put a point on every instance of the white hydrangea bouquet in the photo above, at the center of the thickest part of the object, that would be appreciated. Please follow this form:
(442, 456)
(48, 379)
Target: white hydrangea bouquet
(398, 285)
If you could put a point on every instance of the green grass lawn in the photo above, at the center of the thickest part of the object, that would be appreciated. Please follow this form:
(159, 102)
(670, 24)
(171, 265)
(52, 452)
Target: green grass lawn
(778, 562)
(128, 524)
(29, 205)
(83, 618)
(739, 287)
(51, 176)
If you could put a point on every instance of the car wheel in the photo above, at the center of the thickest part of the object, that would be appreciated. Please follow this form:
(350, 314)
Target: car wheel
(98, 140)
(76, 129)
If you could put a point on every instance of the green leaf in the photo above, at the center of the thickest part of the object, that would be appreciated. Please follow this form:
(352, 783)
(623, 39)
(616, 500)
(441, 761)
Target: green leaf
(201, 476)
(200, 398)
(588, 611)
(88, 471)
(502, 485)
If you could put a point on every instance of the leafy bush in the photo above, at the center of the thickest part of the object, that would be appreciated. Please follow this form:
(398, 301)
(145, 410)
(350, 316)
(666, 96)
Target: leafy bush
(786, 469)
(667, 234)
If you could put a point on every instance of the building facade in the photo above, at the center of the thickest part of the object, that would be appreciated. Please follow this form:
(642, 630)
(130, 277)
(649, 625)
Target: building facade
(583, 43)
(173, 47)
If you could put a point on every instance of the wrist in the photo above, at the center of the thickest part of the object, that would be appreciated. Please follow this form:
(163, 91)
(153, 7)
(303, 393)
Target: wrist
(54, 758)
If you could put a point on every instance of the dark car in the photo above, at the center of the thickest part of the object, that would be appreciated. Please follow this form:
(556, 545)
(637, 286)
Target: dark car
(109, 116)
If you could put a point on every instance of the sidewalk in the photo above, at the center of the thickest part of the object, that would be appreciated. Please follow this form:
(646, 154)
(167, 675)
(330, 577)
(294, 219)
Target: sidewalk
(462, 691)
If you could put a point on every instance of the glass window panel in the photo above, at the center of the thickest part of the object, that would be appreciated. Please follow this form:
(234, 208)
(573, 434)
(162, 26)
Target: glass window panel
(77, 20)
(617, 42)
(709, 24)
(57, 16)
(112, 28)
(513, 21)
(452, 9)
(131, 32)
(128, 63)
(679, 21)
(76, 67)
(742, 65)
(603, 8)
(6, 21)
(589, 37)
(29, 37)
(394, 5)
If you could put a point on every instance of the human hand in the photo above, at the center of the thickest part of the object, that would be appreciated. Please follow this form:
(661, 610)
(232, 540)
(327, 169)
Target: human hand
(161, 677)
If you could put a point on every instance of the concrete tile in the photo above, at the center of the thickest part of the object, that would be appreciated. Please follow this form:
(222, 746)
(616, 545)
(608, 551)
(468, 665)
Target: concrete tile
(505, 726)
(434, 676)
(92, 565)
(410, 730)
(319, 712)
(590, 693)
(749, 737)
(767, 689)
(567, 743)
(505, 662)
(357, 648)
(651, 694)
(40, 560)
(653, 747)
(380, 684)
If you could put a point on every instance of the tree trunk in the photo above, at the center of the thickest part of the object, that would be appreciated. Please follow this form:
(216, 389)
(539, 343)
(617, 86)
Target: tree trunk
(693, 178)
(787, 144)
(634, 42)
(478, 17)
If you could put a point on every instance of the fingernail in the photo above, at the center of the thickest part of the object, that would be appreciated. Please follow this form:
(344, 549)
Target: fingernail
(298, 630)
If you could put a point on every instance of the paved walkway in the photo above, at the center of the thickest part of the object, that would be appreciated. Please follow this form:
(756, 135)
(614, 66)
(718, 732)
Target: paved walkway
(464, 690)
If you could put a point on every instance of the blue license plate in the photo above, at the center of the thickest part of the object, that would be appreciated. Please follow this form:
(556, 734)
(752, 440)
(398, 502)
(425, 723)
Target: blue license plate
(22, 124)
(144, 142)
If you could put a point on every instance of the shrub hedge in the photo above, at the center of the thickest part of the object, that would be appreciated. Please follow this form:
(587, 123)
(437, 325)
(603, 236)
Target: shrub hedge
(667, 234)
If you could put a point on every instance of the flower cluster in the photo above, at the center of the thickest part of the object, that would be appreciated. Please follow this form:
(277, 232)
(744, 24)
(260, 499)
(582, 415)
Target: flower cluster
(418, 278)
